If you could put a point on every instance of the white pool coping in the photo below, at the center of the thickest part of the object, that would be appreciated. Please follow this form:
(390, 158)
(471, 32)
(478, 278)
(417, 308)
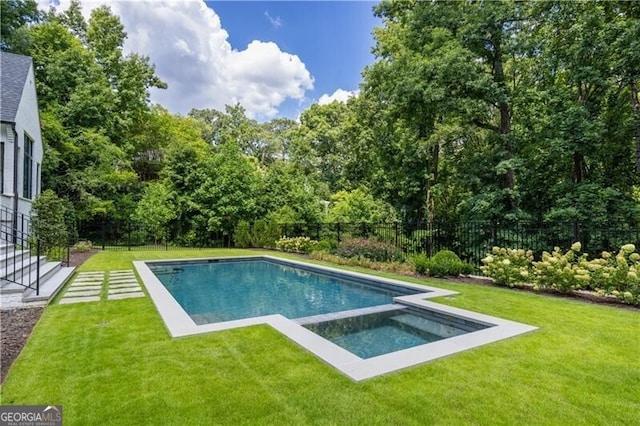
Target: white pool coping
(180, 324)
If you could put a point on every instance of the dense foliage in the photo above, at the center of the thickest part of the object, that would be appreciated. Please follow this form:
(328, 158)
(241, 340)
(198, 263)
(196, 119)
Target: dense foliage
(473, 110)
(444, 263)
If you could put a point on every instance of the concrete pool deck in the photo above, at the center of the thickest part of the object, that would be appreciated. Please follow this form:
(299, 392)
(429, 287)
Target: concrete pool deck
(180, 324)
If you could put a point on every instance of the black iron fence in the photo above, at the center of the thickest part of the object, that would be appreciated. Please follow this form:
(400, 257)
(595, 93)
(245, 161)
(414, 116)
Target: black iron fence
(109, 234)
(471, 240)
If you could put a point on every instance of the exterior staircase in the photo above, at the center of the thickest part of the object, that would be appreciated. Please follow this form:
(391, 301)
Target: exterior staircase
(26, 279)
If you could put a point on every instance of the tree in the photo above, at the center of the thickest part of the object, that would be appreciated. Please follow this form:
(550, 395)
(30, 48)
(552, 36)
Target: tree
(586, 119)
(359, 207)
(287, 195)
(156, 210)
(15, 15)
(51, 221)
(94, 107)
(445, 63)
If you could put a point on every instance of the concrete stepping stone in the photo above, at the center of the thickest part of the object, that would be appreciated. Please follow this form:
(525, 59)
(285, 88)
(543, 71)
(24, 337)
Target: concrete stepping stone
(85, 286)
(67, 300)
(125, 295)
(128, 285)
(124, 290)
(122, 280)
(82, 293)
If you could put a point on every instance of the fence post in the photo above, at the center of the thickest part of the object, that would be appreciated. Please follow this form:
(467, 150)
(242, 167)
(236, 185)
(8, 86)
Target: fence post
(576, 232)
(68, 247)
(396, 233)
(37, 267)
(338, 229)
(494, 231)
(103, 232)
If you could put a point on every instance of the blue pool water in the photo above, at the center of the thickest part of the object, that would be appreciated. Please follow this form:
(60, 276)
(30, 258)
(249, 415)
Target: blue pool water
(231, 290)
(381, 333)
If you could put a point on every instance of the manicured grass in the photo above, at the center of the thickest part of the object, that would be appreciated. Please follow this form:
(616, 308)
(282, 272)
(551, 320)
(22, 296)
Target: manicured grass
(113, 362)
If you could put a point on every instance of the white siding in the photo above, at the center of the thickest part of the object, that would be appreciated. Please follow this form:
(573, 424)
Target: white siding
(6, 136)
(27, 120)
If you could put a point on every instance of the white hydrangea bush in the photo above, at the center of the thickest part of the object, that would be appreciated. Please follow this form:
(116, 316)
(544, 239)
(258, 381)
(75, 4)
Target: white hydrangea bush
(507, 266)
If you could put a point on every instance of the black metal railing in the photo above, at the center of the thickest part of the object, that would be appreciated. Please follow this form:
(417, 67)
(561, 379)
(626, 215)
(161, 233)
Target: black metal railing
(110, 234)
(18, 264)
(471, 240)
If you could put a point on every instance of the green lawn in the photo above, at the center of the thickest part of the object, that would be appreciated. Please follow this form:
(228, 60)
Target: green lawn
(113, 362)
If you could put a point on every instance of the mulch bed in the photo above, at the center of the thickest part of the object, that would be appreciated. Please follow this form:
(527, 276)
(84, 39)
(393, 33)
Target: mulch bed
(16, 324)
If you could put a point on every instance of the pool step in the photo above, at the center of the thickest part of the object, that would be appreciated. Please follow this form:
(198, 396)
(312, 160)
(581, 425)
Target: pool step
(348, 314)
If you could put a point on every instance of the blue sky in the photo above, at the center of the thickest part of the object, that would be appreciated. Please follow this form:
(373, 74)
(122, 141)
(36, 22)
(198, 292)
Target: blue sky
(273, 58)
(332, 38)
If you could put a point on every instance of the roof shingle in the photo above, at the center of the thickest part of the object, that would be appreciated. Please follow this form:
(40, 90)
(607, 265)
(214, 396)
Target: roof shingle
(13, 74)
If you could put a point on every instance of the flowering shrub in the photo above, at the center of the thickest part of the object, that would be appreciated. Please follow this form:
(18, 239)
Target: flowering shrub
(369, 249)
(618, 276)
(296, 244)
(562, 271)
(397, 267)
(82, 246)
(508, 266)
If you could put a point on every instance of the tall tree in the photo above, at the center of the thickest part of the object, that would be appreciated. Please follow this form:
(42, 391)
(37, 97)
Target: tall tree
(15, 15)
(447, 62)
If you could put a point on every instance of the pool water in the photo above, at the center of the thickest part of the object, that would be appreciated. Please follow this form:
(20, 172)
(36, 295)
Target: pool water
(368, 336)
(230, 290)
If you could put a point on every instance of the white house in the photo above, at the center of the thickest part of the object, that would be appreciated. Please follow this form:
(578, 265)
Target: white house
(21, 147)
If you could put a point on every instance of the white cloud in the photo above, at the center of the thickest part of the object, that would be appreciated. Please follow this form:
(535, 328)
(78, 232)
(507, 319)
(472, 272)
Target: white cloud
(339, 95)
(190, 49)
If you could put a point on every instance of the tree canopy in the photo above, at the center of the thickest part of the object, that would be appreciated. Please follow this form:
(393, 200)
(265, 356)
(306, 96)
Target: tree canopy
(472, 110)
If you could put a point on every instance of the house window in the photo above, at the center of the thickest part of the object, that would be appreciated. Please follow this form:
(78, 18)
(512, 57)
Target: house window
(27, 181)
(1, 167)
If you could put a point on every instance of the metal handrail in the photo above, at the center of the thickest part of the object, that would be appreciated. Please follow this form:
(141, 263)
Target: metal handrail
(15, 229)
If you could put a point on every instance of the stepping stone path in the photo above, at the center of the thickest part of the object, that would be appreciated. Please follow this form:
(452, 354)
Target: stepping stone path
(123, 285)
(87, 287)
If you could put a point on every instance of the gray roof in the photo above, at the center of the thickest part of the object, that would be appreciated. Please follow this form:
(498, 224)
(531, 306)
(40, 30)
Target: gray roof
(13, 74)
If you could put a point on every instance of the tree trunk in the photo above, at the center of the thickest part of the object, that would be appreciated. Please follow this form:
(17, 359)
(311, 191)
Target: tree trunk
(504, 131)
(577, 171)
(432, 180)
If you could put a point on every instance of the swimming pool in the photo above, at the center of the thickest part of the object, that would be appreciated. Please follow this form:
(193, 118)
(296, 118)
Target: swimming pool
(383, 324)
(393, 330)
(235, 289)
